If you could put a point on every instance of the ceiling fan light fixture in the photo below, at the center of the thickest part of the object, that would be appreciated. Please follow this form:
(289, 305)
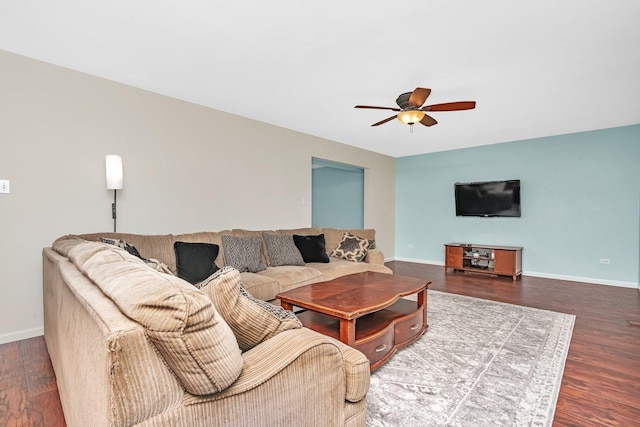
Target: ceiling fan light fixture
(411, 117)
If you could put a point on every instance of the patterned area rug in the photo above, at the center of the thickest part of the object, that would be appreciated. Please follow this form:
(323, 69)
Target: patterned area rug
(480, 363)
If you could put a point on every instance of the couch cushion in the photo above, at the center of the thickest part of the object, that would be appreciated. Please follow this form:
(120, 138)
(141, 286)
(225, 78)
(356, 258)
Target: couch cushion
(261, 287)
(302, 231)
(243, 253)
(292, 276)
(195, 261)
(251, 320)
(159, 247)
(281, 250)
(181, 322)
(151, 262)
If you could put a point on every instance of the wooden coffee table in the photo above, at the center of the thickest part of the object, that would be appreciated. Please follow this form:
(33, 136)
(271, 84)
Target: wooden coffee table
(364, 310)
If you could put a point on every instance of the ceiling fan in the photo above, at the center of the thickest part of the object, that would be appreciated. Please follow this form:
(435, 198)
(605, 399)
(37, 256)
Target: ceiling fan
(411, 110)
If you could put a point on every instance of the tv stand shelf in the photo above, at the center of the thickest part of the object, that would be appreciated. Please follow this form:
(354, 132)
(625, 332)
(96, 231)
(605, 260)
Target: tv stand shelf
(486, 259)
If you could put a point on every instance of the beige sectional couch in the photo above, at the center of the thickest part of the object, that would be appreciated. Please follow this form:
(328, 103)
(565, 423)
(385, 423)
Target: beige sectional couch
(266, 284)
(134, 346)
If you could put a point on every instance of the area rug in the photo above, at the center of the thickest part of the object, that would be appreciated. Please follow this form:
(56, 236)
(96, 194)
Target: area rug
(480, 363)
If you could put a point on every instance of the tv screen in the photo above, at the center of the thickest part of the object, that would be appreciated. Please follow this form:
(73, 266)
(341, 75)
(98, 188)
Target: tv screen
(492, 198)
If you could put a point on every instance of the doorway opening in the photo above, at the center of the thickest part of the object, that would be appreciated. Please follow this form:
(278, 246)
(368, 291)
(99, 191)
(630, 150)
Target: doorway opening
(337, 194)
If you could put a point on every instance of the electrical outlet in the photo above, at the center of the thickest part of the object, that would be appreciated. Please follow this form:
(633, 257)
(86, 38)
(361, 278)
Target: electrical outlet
(604, 261)
(4, 186)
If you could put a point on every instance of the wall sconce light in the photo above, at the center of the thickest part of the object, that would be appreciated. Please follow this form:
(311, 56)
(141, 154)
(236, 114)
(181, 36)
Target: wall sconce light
(114, 181)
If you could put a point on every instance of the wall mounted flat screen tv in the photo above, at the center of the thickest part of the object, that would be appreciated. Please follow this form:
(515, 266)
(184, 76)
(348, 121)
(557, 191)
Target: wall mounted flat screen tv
(491, 198)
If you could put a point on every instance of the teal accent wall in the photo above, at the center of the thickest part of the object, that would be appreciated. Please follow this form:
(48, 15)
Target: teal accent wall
(580, 199)
(337, 195)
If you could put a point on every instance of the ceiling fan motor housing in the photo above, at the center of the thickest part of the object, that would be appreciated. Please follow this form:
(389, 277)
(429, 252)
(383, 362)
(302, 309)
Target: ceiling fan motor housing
(403, 100)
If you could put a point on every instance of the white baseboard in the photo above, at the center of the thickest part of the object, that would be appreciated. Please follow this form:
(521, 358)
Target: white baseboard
(607, 282)
(417, 261)
(21, 335)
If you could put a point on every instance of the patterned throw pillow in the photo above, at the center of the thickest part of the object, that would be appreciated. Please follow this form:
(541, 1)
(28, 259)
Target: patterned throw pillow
(158, 265)
(243, 253)
(351, 248)
(281, 250)
(151, 262)
(251, 320)
(121, 244)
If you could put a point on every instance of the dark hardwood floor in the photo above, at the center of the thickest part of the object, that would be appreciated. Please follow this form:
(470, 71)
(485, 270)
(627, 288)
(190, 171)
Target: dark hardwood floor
(28, 392)
(600, 387)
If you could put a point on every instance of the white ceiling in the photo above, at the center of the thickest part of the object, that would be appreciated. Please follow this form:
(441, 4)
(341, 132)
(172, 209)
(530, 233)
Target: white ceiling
(535, 68)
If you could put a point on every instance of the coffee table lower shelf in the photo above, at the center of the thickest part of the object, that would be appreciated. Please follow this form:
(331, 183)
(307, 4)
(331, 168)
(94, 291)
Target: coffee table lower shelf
(379, 334)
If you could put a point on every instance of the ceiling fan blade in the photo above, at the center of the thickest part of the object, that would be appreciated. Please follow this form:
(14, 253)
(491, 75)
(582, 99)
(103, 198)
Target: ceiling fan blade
(381, 122)
(378, 108)
(418, 96)
(428, 120)
(451, 106)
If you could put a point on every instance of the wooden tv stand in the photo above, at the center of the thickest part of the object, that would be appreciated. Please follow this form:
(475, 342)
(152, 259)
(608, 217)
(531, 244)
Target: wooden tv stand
(485, 259)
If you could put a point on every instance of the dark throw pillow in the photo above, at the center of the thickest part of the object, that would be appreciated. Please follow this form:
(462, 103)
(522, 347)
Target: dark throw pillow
(195, 261)
(312, 248)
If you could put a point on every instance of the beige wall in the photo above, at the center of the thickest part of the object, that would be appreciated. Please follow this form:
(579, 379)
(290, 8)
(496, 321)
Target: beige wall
(186, 168)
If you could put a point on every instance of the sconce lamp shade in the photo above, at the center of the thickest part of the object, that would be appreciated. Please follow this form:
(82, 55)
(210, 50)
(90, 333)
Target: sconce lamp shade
(114, 172)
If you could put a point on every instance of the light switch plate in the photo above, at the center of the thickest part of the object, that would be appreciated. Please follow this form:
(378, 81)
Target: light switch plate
(4, 186)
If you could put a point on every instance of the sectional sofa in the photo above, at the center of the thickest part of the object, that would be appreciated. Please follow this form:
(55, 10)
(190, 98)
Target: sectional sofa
(132, 343)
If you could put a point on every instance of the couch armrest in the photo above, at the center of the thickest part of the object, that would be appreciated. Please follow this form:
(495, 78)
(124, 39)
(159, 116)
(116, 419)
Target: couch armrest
(374, 256)
(272, 357)
(357, 371)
